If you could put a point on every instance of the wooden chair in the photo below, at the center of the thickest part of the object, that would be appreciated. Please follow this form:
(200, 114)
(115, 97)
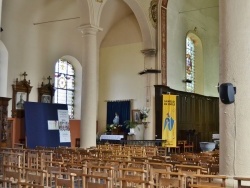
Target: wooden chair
(139, 159)
(189, 147)
(52, 168)
(177, 158)
(101, 171)
(161, 151)
(131, 182)
(156, 168)
(33, 185)
(138, 151)
(35, 176)
(132, 177)
(11, 176)
(64, 179)
(158, 178)
(189, 171)
(185, 146)
(240, 180)
(204, 180)
(135, 164)
(115, 164)
(33, 159)
(95, 181)
(46, 158)
(14, 159)
(214, 169)
(106, 154)
(78, 170)
(162, 159)
(150, 151)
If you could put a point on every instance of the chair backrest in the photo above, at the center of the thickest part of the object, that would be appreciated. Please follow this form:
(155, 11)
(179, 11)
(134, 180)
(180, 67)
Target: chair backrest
(64, 179)
(11, 175)
(78, 170)
(14, 159)
(209, 180)
(163, 167)
(33, 159)
(95, 181)
(51, 170)
(161, 151)
(189, 169)
(162, 178)
(46, 157)
(35, 176)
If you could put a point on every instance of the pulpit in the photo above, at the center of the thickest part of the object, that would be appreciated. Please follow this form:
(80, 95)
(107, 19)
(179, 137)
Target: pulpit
(4, 126)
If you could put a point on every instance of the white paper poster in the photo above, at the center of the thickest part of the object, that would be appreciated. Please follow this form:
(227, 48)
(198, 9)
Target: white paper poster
(53, 125)
(63, 115)
(64, 129)
(64, 136)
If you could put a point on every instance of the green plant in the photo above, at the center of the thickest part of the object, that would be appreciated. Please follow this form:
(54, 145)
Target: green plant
(112, 127)
(130, 124)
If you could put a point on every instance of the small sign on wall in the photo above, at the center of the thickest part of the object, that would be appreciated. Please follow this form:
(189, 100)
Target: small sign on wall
(53, 125)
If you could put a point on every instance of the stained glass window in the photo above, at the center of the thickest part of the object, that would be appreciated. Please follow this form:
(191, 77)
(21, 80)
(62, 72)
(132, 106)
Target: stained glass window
(65, 85)
(190, 65)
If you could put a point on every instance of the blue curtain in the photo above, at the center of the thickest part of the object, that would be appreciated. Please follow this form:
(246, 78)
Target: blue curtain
(122, 108)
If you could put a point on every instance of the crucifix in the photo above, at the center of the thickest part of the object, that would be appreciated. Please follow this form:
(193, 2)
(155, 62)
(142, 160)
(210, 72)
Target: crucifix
(24, 75)
(49, 78)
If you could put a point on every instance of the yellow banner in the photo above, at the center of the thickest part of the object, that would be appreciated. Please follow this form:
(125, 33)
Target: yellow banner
(169, 123)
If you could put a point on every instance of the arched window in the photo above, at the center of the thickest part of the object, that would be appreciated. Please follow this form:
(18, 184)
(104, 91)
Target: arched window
(190, 65)
(65, 85)
(194, 64)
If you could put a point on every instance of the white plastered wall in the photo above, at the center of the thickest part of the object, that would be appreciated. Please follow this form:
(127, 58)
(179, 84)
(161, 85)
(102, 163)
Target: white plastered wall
(207, 29)
(35, 46)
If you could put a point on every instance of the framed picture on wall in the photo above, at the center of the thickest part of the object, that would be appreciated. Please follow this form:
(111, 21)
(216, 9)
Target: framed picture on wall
(46, 98)
(21, 97)
(46, 92)
(136, 116)
(20, 94)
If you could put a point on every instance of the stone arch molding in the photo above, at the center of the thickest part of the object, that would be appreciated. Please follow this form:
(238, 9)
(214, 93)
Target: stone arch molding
(148, 35)
(3, 69)
(92, 16)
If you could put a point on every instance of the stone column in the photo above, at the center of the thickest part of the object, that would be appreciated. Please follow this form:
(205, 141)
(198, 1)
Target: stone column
(234, 68)
(149, 62)
(89, 86)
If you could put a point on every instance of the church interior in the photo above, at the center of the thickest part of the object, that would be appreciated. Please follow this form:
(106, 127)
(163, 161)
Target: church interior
(124, 93)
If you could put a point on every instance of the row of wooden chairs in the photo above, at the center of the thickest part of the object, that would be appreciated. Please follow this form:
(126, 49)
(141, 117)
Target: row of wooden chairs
(103, 176)
(38, 165)
(23, 165)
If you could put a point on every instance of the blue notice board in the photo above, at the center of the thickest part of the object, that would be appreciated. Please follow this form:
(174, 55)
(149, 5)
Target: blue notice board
(36, 124)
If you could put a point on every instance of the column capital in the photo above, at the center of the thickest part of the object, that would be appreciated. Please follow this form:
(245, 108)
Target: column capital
(89, 29)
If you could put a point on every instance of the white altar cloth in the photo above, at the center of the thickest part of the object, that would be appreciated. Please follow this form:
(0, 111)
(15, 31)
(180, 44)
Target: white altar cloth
(111, 137)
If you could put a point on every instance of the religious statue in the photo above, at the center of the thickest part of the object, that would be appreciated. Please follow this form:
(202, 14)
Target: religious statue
(116, 119)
